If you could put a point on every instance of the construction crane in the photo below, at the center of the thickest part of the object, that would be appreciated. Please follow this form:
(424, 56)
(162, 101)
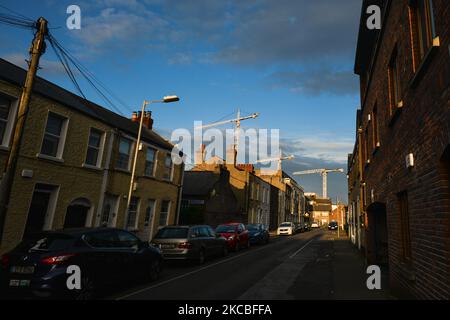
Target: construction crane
(237, 121)
(323, 173)
(279, 159)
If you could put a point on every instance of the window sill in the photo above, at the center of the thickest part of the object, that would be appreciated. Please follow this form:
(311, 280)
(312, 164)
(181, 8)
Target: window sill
(425, 63)
(91, 167)
(122, 170)
(46, 157)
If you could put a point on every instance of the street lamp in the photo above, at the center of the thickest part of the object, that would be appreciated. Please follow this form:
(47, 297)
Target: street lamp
(166, 99)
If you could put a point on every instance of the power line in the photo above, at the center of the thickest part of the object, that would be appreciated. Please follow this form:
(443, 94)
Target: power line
(17, 14)
(66, 57)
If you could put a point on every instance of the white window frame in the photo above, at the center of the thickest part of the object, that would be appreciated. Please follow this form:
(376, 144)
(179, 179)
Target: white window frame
(98, 165)
(171, 167)
(155, 161)
(62, 138)
(169, 207)
(133, 145)
(14, 103)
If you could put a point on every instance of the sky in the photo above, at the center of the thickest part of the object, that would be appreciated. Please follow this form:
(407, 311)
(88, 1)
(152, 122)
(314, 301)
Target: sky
(291, 61)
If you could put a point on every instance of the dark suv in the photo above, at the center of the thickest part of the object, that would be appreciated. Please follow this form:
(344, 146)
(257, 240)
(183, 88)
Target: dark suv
(40, 264)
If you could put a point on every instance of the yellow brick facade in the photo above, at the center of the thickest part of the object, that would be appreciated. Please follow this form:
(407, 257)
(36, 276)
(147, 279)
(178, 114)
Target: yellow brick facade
(73, 179)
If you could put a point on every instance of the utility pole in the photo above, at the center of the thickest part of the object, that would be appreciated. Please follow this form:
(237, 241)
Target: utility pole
(37, 49)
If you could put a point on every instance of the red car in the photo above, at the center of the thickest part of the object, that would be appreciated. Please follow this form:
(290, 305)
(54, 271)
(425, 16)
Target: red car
(236, 234)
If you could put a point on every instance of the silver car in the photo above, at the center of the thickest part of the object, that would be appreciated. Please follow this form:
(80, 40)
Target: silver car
(190, 243)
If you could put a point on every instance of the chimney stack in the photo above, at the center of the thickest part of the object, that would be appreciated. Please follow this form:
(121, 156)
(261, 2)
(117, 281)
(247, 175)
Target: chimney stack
(147, 122)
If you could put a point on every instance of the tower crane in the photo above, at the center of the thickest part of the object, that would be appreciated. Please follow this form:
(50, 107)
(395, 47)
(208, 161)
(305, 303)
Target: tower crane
(237, 121)
(323, 173)
(279, 159)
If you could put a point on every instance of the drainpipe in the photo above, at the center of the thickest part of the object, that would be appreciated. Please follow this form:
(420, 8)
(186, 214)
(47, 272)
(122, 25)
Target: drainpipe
(105, 177)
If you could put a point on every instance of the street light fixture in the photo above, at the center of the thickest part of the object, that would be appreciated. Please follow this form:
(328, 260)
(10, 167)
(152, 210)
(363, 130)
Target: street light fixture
(166, 99)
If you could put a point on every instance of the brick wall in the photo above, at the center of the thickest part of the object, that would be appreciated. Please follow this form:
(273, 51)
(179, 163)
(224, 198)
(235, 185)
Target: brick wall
(422, 127)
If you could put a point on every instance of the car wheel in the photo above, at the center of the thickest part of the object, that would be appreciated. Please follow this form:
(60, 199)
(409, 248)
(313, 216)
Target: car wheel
(201, 257)
(87, 289)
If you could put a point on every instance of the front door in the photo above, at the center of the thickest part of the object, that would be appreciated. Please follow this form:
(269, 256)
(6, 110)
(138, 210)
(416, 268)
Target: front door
(109, 211)
(146, 233)
(38, 212)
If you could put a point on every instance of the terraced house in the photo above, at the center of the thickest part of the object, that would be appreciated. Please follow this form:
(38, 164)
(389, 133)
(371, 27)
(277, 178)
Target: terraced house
(74, 165)
(403, 145)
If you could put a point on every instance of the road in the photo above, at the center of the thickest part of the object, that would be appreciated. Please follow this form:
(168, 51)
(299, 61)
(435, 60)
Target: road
(295, 267)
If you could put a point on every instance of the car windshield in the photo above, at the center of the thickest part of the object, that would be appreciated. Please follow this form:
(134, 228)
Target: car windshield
(253, 227)
(46, 242)
(172, 233)
(333, 223)
(286, 224)
(226, 229)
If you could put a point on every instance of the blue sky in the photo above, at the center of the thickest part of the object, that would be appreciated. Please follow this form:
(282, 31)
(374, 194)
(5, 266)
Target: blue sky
(291, 61)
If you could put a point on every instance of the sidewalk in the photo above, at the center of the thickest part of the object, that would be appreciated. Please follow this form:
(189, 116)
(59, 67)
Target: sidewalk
(335, 270)
(349, 273)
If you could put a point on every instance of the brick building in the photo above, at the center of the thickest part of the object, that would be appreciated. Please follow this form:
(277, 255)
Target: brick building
(74, 165)
(403, 144)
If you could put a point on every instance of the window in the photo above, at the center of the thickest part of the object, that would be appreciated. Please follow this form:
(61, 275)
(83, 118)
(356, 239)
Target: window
(395, 91)
(93, 156)
(132, 213)
(150, 162)
(404, 226)
(366, 147)
(164, 215)
(168, 167)
(375, 130)
(54, 136)
(424, 29)
(104, 239)
(5, 108)
(127, 240)
(123, 159)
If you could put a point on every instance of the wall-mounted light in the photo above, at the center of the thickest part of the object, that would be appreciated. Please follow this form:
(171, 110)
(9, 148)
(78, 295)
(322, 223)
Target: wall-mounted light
(409, 160)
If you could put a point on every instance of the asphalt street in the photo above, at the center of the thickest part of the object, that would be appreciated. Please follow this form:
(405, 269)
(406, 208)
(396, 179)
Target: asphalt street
(311, 265)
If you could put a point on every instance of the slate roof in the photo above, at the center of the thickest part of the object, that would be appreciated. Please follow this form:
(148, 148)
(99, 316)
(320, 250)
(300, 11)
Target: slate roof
(199, 183)
(16, 75)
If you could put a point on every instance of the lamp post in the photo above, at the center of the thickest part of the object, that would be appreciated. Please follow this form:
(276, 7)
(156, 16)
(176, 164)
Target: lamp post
(166, 99)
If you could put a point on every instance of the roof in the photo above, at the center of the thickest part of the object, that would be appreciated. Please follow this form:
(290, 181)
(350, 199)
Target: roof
(199, 183)
(16, 75)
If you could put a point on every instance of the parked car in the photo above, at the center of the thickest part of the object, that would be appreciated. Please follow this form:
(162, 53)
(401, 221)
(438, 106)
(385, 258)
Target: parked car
(196, 243)
(105, 256)
(299, 227)
(286, 228)
(236, 234)
(306, 227)
(315, 225)
(258, 233)
(333, 225)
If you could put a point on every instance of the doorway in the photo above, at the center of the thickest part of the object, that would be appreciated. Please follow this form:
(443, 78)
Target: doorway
(77, 213)
(377, 251)
(41, 207)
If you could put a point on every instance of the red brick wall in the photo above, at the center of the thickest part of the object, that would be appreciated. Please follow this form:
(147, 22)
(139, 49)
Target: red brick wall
(421, 128)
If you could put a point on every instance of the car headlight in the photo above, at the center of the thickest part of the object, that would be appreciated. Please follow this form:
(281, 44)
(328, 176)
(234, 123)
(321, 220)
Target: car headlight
(231, 238)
